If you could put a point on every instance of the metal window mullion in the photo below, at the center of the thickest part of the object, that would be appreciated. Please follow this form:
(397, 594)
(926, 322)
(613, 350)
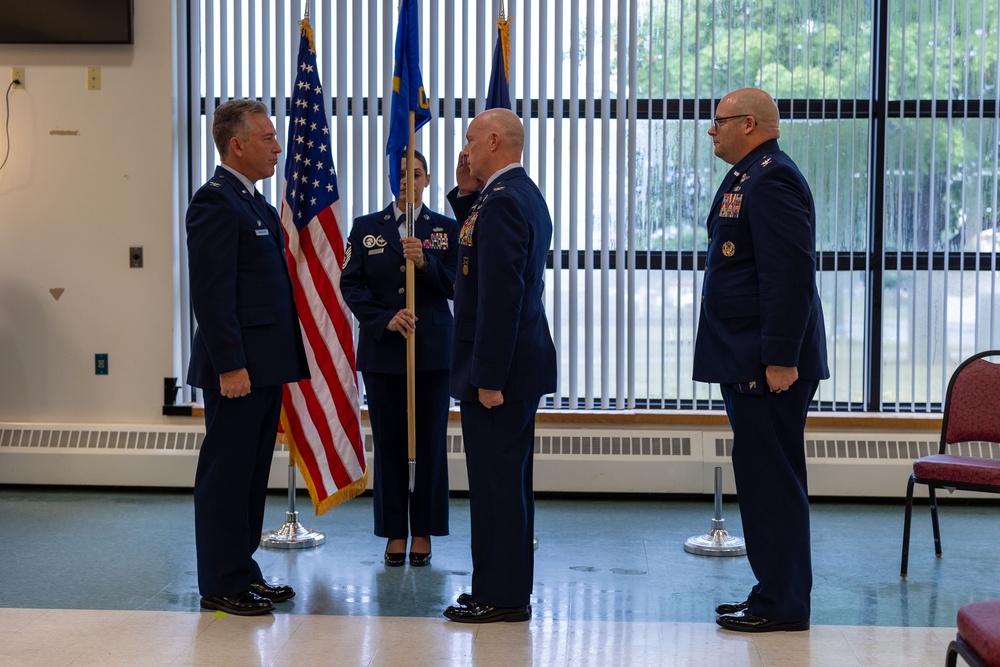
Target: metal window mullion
(341, 128)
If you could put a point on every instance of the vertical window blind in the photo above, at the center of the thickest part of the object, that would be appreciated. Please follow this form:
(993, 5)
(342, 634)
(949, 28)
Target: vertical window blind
(890, 110)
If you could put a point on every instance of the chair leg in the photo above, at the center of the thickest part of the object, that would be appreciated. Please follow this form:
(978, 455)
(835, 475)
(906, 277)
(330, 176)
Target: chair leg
(951, 657)
(934, 521)
(906, 528)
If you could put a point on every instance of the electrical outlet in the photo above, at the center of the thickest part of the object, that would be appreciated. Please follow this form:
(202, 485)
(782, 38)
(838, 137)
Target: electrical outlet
(135, 257)
(93, 78)
(17, 77)
(100, 364)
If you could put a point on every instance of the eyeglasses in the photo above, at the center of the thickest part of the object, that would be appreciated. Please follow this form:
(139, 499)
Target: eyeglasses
(715, 121)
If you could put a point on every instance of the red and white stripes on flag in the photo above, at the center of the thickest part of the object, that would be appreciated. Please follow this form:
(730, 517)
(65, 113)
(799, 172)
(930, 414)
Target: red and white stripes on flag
(321, 417)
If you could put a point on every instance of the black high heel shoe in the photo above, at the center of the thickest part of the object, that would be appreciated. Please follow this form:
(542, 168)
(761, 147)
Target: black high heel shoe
(419, 559)
(394, 560)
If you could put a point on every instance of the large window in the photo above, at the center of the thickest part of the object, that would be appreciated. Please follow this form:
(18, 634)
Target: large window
(890, 109)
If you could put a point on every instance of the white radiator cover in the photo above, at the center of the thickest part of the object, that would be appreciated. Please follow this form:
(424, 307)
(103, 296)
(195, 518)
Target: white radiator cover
(567, 459)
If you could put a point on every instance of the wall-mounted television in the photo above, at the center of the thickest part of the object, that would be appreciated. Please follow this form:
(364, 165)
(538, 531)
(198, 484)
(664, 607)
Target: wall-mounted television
(66, 22)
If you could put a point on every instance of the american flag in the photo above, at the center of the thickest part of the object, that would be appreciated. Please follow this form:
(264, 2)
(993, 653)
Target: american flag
(321, 417)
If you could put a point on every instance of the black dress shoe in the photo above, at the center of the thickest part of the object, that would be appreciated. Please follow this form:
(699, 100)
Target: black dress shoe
(272, 593)
(464, 599)
(419, 559)
(744, 621)
(473, 612)
(395, 560)
(246, 603)
(732, 607)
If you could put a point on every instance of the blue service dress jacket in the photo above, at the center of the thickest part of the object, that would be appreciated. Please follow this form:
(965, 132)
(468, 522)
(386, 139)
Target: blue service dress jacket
(502, 339)
(373, 281)
(241, 292)
(759, 302)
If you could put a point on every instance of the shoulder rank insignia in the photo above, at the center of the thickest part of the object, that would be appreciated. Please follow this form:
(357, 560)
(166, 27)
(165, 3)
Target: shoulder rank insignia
(214, 184)
(744, 177)
(766, 161)
(498, 188)
(347, 256)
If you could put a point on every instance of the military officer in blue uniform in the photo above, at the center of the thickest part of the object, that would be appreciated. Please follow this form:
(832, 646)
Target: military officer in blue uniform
(761, 337)
(373, 284)
(503, 362)
(247, 345)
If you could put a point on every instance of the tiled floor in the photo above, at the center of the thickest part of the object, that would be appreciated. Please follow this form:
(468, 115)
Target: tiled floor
(108, 578)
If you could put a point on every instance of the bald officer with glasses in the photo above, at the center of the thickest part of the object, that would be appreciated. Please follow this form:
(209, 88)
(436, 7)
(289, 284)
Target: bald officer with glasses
(761, 337)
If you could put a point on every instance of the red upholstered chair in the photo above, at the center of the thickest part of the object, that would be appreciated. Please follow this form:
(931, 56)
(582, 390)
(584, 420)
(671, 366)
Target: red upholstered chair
(978, 640)
(971, 414)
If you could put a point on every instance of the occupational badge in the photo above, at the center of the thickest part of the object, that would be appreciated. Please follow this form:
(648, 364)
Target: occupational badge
(744, 177)
(728, 249)
(368, 241)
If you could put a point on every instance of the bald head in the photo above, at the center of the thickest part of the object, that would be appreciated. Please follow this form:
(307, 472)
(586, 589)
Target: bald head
(750, 117)
(495, 139)
(755, 102)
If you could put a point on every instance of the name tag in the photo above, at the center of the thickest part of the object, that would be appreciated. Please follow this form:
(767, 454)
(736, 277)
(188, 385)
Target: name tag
(261, 232)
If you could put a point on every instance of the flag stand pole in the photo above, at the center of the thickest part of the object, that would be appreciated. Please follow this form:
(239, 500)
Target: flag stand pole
(292, 534)
(718, 541)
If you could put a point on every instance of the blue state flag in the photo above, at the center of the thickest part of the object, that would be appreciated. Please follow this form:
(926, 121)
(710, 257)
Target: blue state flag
(407, 90)
(498, 95)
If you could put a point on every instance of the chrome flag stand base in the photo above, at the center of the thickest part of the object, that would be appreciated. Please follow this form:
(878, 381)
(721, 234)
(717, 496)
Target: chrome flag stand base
(718, 542)
(292, 534)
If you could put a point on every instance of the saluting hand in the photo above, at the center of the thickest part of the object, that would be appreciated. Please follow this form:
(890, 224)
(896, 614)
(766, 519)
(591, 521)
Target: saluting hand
(466, 182)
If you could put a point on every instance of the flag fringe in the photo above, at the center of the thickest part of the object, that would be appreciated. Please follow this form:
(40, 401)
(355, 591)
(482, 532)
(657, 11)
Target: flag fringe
(503, 25)
(352, 490)
(305, 30)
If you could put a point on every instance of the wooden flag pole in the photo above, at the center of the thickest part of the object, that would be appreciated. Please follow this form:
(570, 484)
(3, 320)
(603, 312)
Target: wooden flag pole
(411, 342)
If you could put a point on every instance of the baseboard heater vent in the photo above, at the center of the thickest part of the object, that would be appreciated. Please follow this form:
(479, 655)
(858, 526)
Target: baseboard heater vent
(576, 459)
(577, 445)
(905, 450)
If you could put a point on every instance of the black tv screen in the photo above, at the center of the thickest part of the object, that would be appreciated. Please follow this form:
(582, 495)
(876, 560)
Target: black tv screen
(66, 22)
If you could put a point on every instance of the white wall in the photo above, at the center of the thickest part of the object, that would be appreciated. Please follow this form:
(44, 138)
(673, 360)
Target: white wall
(89, 175)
